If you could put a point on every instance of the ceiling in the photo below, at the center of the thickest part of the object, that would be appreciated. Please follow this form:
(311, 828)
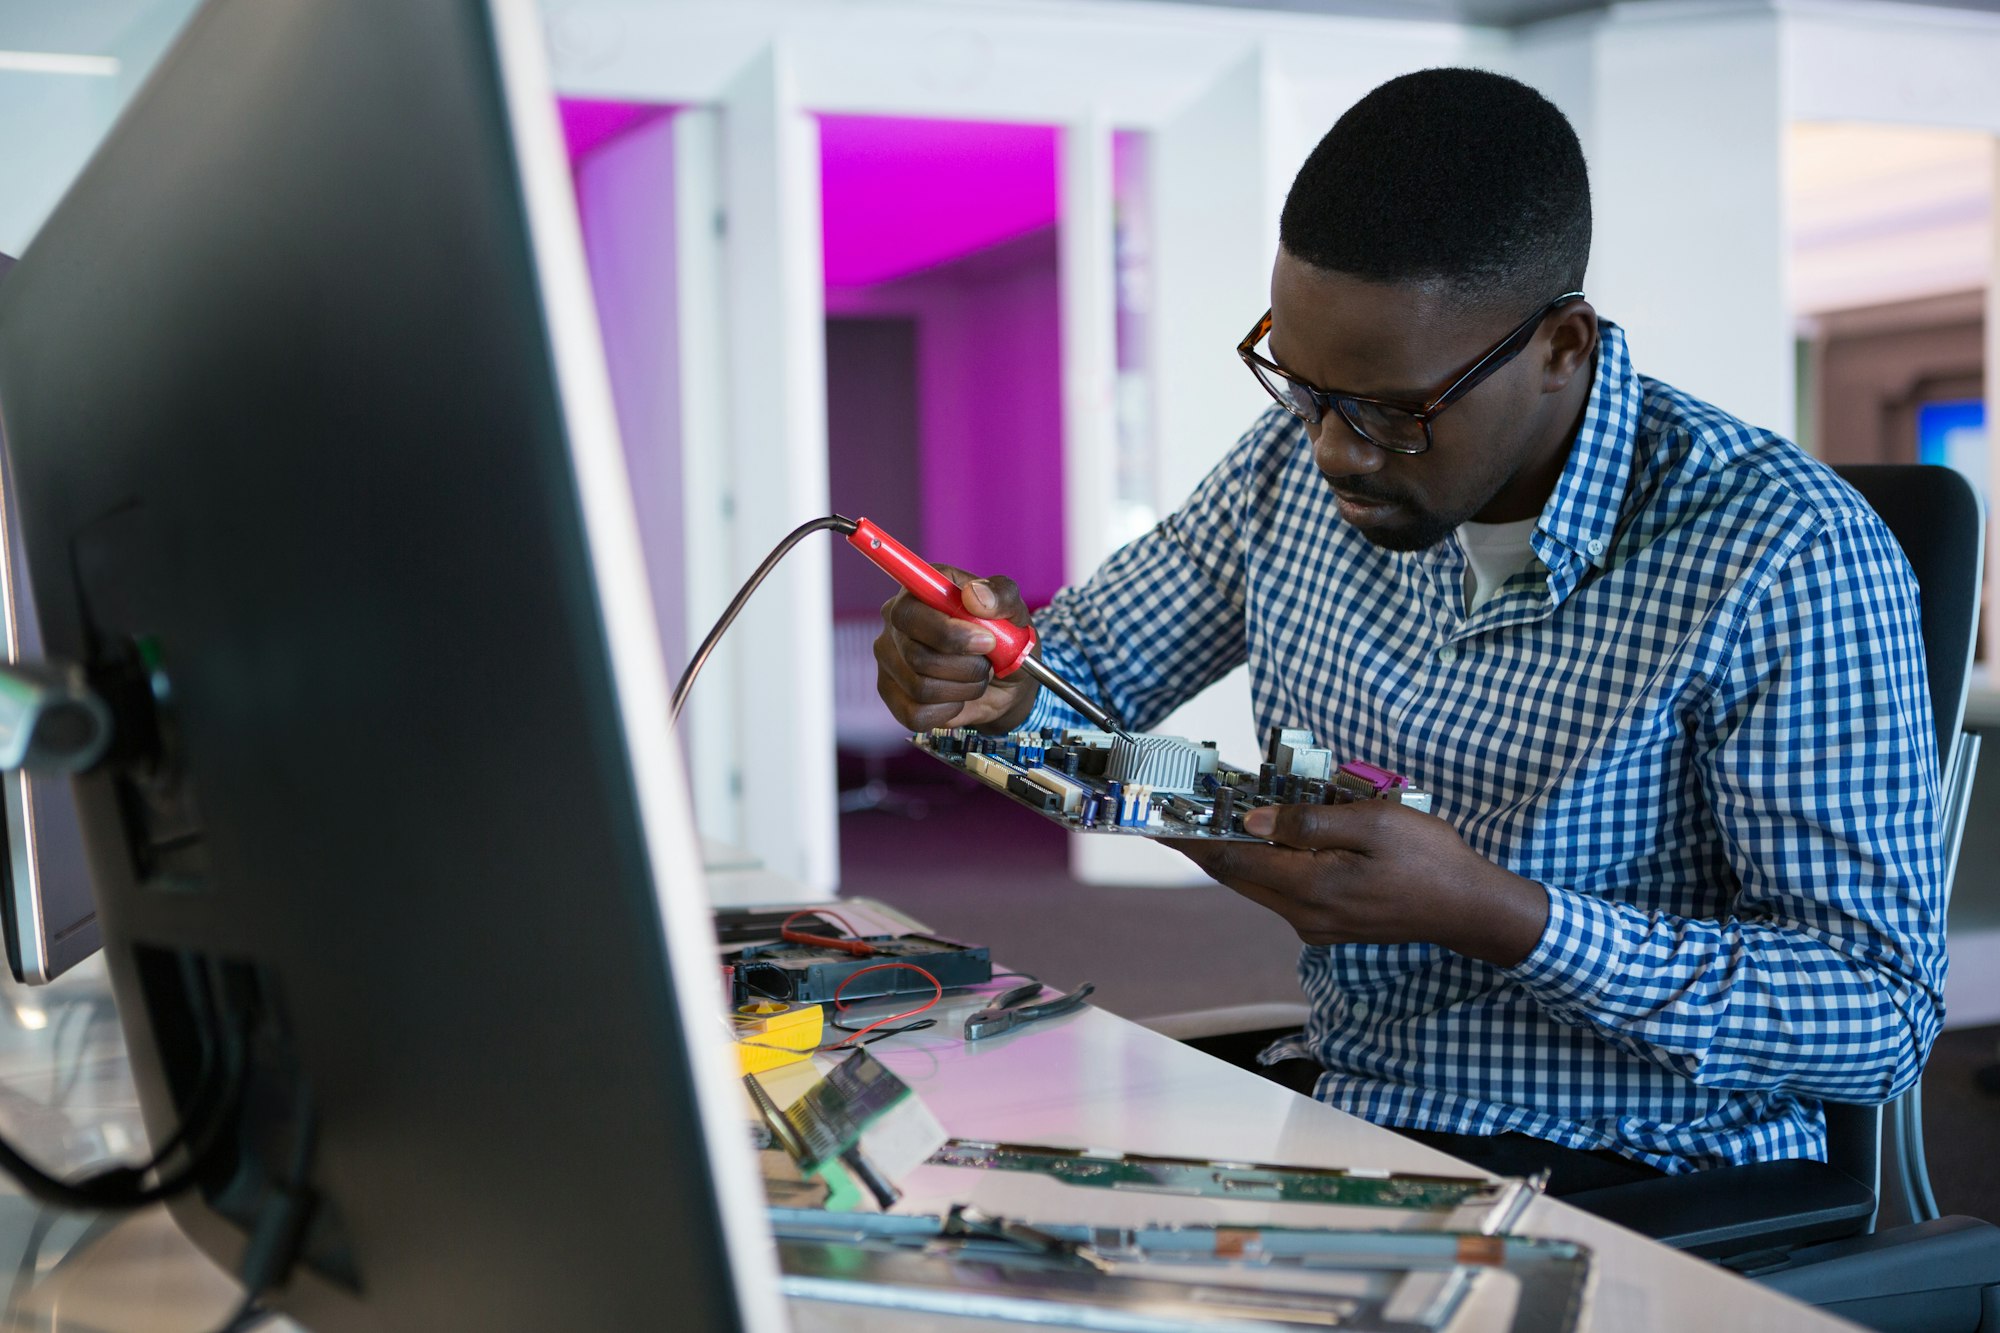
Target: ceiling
(1882, 213)
(1495, 13)
(97, 26)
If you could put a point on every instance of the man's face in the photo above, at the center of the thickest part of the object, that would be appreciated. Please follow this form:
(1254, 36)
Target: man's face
(1495, 453)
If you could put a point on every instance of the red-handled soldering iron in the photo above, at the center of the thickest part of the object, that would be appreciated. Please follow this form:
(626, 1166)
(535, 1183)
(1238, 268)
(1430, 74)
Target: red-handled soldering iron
(1013, 645)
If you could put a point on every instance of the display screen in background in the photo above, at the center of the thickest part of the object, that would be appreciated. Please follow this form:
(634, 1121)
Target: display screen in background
(1954, 434)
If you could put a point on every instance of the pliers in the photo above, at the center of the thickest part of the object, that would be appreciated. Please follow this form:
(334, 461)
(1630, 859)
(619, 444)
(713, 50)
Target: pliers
(1012, 1009)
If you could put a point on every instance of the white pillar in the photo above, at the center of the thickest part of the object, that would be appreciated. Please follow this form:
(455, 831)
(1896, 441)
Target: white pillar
(774, 344)
(1088, 297)
(1214, 230)
(1687, 176)
(625, 194)
(709, 725)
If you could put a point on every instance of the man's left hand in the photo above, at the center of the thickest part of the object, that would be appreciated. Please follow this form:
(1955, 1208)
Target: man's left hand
(1376, 872)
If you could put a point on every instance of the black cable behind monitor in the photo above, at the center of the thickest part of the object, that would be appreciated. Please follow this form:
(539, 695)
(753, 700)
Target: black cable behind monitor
(126, 1186)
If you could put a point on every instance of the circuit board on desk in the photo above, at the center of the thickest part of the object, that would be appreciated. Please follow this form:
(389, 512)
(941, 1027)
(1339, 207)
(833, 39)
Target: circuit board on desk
(1223, 1180)
(1158, 786)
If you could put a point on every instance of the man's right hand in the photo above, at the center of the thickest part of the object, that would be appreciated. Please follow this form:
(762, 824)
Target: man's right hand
(932, 671)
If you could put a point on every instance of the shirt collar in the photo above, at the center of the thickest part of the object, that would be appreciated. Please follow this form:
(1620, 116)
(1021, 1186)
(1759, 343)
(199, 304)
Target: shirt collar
(1582, 513)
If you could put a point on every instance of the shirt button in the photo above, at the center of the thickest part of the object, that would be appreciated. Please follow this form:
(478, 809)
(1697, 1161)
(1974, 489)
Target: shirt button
(1448, 654)
(1358, 1008)
(1597, 546)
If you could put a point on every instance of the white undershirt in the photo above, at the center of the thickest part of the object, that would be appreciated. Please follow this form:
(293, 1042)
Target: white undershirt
(1494, 553)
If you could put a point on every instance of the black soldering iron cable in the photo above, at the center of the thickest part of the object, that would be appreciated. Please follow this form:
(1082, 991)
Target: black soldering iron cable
(834, 522)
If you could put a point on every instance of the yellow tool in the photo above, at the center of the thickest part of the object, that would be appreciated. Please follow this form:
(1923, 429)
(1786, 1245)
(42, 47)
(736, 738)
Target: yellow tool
(771, 1033)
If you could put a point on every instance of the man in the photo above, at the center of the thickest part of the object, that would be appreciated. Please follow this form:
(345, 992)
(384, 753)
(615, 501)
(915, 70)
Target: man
(1661, 671)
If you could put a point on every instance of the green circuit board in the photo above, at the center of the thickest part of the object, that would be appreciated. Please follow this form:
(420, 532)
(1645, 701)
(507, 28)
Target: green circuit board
(1158, 786)
(1220, 1180)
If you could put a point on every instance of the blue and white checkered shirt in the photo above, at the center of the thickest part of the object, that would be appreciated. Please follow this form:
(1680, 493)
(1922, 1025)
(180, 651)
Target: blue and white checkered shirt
(1699, 719)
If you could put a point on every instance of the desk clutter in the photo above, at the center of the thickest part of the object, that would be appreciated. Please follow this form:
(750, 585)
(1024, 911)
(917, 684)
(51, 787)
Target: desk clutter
(843, 1139)
(774, 987)
(966, 1264)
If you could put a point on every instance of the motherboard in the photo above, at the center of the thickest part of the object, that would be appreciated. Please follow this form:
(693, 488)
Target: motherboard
(1159, 786)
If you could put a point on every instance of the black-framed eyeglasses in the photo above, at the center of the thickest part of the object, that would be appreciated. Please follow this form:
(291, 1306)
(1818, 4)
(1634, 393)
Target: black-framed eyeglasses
(1399, 427)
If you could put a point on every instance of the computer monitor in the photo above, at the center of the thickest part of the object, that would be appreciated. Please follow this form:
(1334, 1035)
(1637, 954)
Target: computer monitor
(319, 479)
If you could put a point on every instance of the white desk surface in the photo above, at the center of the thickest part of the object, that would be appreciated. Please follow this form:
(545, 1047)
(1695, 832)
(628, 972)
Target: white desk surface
(1094, 1080)
(1088, 1080)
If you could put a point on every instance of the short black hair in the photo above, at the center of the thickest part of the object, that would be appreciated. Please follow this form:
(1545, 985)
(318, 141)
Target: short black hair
(1460, 178)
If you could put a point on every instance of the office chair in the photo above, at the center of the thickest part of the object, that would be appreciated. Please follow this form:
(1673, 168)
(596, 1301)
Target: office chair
(1809, 1228)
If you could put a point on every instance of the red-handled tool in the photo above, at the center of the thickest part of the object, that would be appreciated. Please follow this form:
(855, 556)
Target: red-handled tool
(1013, 645)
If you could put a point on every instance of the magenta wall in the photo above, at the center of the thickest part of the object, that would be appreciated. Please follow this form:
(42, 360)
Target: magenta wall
(948, 223)
(989, 386)
(900, 195)
(952, 224)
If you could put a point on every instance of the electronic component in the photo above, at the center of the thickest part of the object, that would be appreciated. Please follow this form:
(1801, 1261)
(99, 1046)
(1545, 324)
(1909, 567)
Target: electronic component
(771, 1033)
(811, 973)
(859, 1116)
(1168, 763)
(1159, 786)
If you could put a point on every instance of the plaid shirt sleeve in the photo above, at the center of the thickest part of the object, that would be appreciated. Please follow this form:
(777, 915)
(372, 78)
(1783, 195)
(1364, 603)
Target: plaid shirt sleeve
(1162, 619)
(1818, 761)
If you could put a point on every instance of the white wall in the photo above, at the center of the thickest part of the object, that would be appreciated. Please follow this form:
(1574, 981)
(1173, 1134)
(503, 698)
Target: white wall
(626, 194)
(1680, 108)
(50, 122)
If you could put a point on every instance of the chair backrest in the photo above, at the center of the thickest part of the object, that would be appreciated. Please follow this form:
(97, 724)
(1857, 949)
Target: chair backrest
(1940, 522)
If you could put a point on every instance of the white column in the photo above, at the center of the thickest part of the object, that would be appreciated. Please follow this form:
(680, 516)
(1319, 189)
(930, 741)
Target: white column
(1214, 230)
(709, 724)
(1687, 176)
(1088, 297)
(625, 194)
(773, 339)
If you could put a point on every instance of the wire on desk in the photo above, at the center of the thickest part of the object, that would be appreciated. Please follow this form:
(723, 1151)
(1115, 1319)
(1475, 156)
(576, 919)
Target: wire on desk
(842, 1006)
(853, 944)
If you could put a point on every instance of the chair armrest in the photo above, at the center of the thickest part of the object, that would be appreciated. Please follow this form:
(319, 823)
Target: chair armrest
(1948, 1252)
(1738, 1210)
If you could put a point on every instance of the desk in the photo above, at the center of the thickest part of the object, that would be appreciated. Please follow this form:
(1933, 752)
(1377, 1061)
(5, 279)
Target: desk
(1093, 1079)
(1090, 1079)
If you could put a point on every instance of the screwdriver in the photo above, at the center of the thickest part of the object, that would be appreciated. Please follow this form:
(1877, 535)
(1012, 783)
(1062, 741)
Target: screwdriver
(1013, 645)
